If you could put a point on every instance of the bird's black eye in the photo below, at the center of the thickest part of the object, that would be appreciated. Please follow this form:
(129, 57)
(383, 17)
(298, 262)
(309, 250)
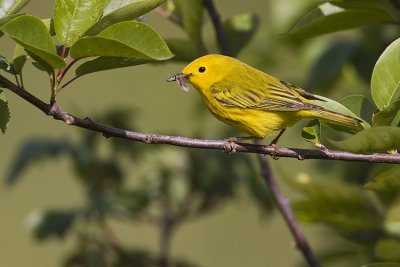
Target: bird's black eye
(202, 69)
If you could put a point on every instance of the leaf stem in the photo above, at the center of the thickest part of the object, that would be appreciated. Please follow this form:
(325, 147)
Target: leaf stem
(63, 51)
(22, 80)
(16, 80)
(54, 84)
(64, 71)
(66, 84)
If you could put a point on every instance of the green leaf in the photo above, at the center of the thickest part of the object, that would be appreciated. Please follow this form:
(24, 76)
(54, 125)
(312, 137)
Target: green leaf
(73, 17)
(34, 150)
(387, 250)
(123, 10)
(107, 63)
(6, 65)
(31, 33)
(341, 205)
(342, 15)
(329, 64)
(390, 116)
(392, 219)
(19, 59)
(9, 7)
(125, 39)
(117, 4)
(184, 50)
(133, 201)
(338, 252)
(191, 17)
(375, 139)
(239, 30)
(4, 112)
(6, 19)
(332, 105)
(360, 106)
(312, 132)
(50, 26)
(52, 223)
(386, 181)
(385, 80)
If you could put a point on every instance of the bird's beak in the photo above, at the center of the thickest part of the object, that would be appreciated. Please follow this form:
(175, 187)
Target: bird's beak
(173, 77)
(177, 77)
(181, 79)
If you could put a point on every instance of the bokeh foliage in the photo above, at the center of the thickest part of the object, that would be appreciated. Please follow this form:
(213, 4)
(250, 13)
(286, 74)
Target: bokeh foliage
(175, 185)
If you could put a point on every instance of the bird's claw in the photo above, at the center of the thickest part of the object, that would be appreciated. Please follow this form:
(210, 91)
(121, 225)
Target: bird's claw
(320, 146)
(230, 146)
(275, 154)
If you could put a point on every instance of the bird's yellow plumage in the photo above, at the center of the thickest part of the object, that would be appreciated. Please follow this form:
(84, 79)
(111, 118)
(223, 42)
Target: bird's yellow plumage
(252, 100)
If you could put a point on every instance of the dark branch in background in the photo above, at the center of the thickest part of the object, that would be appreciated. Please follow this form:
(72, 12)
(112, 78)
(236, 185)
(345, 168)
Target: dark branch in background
(286, 212)
(396, 4)
(167, 225)
(227, 146)
(221, 37)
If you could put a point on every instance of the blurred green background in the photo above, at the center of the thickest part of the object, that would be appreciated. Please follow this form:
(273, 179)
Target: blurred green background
(236, 233)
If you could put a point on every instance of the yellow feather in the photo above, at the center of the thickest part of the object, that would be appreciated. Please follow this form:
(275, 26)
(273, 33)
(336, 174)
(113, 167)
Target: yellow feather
(250, 99)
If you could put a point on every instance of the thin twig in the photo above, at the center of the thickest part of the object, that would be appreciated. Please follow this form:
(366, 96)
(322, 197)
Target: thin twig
(219, 31)
(286, 212)
(64, 71)
(66, 84)
(16, 80)
(22, 80)
(53, 88)
(227, 146)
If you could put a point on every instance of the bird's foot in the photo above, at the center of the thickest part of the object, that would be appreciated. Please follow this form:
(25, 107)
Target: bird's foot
(230, 146)
(320, 146)
(275, 154)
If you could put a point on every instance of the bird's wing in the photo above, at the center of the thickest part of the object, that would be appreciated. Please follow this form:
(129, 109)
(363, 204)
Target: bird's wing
(301, 92)
(271, 98)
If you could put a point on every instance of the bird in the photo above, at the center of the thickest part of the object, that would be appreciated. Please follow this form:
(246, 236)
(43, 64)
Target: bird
(251, 100)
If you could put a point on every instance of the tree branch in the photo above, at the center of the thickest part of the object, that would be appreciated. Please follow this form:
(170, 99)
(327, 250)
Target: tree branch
(227, 146)
(287, 213)
(221, 37)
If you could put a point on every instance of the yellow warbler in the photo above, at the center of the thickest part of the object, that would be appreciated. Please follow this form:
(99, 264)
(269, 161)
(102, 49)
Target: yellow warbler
(252, 100)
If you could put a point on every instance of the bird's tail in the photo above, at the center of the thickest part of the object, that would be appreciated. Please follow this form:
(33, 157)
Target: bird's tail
(337, 117)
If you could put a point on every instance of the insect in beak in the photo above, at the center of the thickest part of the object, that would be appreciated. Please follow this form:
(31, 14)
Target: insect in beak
(182, 80)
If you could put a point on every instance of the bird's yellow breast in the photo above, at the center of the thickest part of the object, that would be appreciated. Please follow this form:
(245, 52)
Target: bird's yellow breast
(255, 122)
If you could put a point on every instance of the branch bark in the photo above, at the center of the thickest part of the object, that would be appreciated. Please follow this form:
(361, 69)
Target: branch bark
(219, 31)
(302, 154)
(284, 207)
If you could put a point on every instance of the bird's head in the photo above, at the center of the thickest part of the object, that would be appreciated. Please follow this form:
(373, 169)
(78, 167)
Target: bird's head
(203, 72)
